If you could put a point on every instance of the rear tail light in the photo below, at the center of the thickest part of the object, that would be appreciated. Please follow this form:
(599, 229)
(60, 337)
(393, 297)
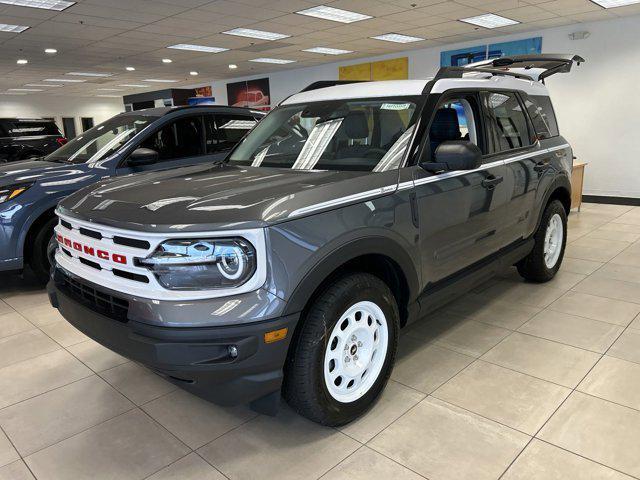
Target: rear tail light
(61, 141)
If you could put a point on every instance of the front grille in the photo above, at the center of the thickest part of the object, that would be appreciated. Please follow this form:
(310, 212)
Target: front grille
(108, 305)
(131, 242)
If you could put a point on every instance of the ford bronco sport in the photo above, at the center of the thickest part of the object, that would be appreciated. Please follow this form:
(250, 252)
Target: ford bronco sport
(348, 212)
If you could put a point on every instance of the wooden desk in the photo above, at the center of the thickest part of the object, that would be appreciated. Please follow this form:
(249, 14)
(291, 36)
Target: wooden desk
(577, 181)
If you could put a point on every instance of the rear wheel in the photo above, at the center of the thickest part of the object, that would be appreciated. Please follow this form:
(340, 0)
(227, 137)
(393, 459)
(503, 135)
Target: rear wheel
(544, 261)
(345, 352)
(39, 260)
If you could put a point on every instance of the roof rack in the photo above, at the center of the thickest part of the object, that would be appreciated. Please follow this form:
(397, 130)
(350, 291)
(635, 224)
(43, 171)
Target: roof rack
(328, 83)
(458, 72)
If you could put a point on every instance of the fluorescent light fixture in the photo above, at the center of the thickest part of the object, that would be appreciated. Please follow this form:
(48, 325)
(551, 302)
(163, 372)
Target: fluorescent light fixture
(109, 96)
(397, 38)
(130, 69)
(90, 74)
(334, 14)
(22, 61)
(193, 73)
(278, 61)
(64, 80)
(50, 50)
(40, 85)
(489, 20)
(262, 35)
(109, 89)
(159, 80)
(12, 93)
(133, 85)
(232, 66)
(615, 3)
(330, 51)
(198, 48)
(25, 90)
(5, 27)
(57, 5)
(166, 60)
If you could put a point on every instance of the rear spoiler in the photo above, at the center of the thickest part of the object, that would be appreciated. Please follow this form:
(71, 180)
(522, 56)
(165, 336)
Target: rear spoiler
(536, 67)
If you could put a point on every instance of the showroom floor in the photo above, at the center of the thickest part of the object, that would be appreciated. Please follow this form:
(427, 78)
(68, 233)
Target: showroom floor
(538, 381)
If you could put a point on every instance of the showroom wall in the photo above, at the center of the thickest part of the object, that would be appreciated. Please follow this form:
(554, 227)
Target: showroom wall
(597, 101)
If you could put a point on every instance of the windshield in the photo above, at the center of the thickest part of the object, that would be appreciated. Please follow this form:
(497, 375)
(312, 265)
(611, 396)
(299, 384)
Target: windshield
(102, 140)
(359, 135)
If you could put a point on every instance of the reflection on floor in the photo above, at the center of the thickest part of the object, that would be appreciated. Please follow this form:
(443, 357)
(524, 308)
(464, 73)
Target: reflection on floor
(514, 380)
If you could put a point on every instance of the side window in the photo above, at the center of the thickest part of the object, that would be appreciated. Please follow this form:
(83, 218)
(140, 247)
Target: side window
(509, 121)
(547, 113)
(224, 131)
(181, 138)
(455, 119)
(537, 119)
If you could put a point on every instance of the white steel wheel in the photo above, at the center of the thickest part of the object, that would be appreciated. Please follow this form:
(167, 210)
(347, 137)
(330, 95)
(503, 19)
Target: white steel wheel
(553, 239)
(355, 352)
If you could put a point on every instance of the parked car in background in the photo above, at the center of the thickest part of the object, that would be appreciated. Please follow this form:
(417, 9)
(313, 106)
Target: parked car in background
(133, 142)
(24, 138)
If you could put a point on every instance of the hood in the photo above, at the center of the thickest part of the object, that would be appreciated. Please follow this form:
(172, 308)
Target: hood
(215, 197)
(39, 171)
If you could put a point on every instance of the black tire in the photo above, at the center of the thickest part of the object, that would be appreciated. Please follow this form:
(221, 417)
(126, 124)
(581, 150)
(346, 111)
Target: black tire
(304, 384)
(534, 267)
(39, 255)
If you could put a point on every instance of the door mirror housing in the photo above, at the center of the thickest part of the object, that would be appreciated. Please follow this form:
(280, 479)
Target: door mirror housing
(142, 156)
(455, 155)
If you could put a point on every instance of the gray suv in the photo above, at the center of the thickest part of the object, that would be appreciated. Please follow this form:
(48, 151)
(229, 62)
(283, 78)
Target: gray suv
(347, 213)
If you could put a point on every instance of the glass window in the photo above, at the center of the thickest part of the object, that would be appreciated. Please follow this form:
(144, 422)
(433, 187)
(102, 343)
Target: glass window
(509, 121)
(181, 138)
(102, 140)
(454, 120)
(547, 113)
(224, 131)
(359, 135)
(22, 128)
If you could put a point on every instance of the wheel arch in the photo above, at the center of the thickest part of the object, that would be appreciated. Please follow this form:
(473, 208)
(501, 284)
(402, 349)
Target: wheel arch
(560, 190)
(32, 230)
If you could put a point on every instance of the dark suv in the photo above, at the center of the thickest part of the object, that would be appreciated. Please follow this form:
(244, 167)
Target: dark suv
(347, 213)
(133, 142)
(24, 138)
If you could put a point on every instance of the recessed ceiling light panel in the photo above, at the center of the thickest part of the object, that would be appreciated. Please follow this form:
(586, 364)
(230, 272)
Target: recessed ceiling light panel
(334, 14)
(198, 48)
(278, 61)
(22, 61)
(25, 90)
(109, 96)
(489, 20)
(232, 66)
(159, 80)
(397, 38)
(327, 51)
(262, 35)
(615, 3)
(64, 80)
(166, 60)
(109, 89)
(130, 69)
(133, 85)
(90, 74)
(57, 5)
(5, 27)
(193, 73)
(50, 50)
(40, 85)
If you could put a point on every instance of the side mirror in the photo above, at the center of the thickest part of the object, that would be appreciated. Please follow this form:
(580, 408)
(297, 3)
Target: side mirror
(455, 155)
(142, 156)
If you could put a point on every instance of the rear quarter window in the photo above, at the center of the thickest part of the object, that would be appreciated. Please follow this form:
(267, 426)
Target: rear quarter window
(541, 111)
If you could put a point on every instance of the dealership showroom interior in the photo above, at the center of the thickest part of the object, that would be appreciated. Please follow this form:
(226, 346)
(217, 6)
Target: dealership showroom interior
(304, 239)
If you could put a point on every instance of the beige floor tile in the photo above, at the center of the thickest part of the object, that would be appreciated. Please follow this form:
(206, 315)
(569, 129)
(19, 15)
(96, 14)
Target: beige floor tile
(606, 209)
(41, 314)
(395, 400)
(426, 366)
(5, 308)
(532, 294)
(514, 399)
(607, 234)
(632, 217)
(35, 376)
(627, 347)
(64, 333)
(604, 309)
(597, 284)
(635, 324)
(23, 299)
(95, 356)
(12, 323)
(541, 461)
(25, 345)
(367, 464)
(575, 233)
(441, 441)
(602, 431)
(578, 265)
(193, 420)
(620, 227)
(615, 380)
(543, 359)
(191, 467)
(15, 471)
(283, 447)
(137, 383)
(624, 272)
(53, 416)
(572, 330)
(8, 454)
(131, 446)
(565, 280)
(630, 257)
(595, 249)
(494, 312)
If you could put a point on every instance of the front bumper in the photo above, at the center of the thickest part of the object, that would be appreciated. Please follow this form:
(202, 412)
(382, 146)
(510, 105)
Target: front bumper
(197, 359)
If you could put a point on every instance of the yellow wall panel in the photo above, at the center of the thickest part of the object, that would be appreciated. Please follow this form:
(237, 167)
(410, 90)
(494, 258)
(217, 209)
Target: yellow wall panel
(394, 69)
(361, 71)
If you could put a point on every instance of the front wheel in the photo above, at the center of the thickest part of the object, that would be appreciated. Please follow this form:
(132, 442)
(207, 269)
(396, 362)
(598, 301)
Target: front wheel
(39, 259)
(544, 261)
(345, 351)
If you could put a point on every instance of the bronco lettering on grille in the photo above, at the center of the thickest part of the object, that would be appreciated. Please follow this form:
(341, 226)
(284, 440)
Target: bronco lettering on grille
(87, 250)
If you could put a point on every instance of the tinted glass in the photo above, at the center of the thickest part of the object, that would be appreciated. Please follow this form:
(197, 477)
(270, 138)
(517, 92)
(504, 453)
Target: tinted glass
(102, 140)
(360, 135)
(181, 138)
(547, 113)
(224, 131)
(510, 122)
(454, 120)
(539, 124)
(30, 128)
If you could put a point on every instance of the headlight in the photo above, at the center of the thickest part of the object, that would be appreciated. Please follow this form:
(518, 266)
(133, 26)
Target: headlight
(12, 191)
(202, 264)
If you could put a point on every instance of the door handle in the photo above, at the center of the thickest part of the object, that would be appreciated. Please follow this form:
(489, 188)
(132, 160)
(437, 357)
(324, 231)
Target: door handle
(541, 166)
(491, 181)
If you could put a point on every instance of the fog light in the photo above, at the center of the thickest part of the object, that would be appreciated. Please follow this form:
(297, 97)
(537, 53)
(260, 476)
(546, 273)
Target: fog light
(233, 351)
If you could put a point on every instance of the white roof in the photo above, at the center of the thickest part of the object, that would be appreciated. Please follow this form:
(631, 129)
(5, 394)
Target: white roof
(392, 88)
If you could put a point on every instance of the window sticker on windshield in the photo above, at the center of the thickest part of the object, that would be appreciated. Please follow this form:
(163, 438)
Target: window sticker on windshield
(395, 106)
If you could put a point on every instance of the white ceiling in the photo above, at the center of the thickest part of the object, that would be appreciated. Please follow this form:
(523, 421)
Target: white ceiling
(108, 35)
